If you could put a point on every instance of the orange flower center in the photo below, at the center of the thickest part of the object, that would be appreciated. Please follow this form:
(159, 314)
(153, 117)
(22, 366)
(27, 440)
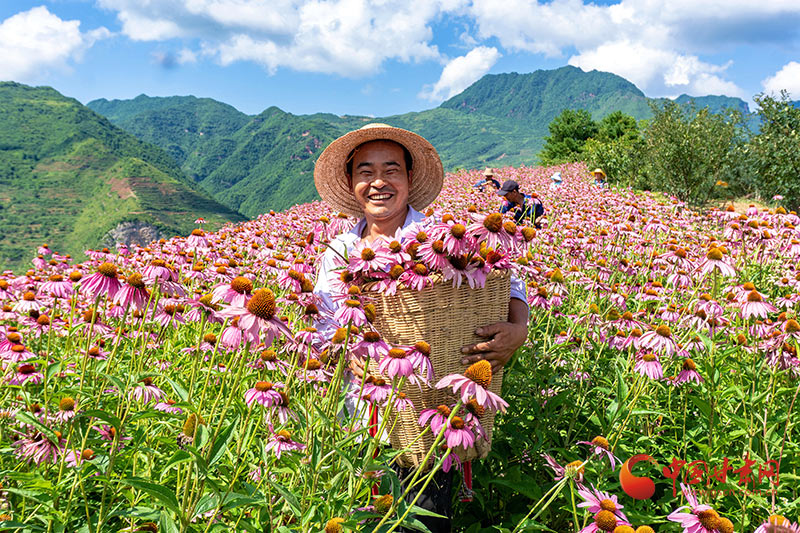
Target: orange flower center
(480, 373)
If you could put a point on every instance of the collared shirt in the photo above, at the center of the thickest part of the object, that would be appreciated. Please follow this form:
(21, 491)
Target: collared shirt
(343, 244)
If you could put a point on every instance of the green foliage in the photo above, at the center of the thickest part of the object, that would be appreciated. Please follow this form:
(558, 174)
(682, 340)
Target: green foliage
(687, 152)
(775, 151)
(68, 176)
(568, 133)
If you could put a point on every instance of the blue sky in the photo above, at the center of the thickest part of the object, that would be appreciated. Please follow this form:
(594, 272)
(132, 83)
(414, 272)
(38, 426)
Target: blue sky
(382, 57)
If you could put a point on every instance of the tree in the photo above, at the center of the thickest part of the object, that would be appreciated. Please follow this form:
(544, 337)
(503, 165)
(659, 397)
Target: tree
(688, 151)
(775, 150)
(568, 133)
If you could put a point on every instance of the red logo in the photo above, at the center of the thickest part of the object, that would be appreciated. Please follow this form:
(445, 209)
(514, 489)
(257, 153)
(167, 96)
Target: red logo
(639, 488)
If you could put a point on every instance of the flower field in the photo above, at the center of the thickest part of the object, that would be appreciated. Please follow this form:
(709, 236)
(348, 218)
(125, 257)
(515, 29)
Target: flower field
(199, 384)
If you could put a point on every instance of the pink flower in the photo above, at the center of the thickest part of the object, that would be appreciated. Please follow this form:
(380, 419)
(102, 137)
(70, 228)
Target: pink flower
(147, 392)
(396, 364)
(474, 383)
(235, 293)
(350, 313)
(561, 471)
(699, 519)
(596, 501)
(689, 373)
(714, 261)
(437, 418)
(372, 257)
(647, 364)
(104, 282)
(458, 434)
(660, 340)
(281, 442)
(756, 306)
(168, 407)
(601, 447)
(258, 318)
(37, 448)
(262, 393)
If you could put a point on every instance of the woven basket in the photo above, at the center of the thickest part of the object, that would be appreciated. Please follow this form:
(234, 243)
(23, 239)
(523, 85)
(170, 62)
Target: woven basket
(445, 317)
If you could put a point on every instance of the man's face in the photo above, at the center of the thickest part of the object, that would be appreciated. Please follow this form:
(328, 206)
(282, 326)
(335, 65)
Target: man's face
(515, 197)
(380, 179)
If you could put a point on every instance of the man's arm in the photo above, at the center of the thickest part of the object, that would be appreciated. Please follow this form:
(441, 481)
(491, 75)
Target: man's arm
(504, 337)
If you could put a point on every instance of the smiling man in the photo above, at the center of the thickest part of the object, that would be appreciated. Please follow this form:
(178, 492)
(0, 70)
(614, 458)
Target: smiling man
(386, 176)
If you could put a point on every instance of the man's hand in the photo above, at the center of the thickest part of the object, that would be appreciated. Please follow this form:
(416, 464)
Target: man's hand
(356, 367)
(504, 339)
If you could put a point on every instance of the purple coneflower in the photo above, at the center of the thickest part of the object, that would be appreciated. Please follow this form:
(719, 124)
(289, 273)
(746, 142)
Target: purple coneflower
(132, 293)
(458, 434)
(700, 518)
(146, 392)
(26, 373)
(437, 418)
(647, 364)
(168, 407)
(714, 261)
(573, 469)
(475, 382)
(416, 277)
(396, 364)
(57, 287)
(596, 501)
(351, 313)
(259, 317)
(756, 306)
(262, 393)
(777, 524)
(281, 442)
(372, 257)
(372, 346)
(660, 340)
(37, 448)
(102, 282)
(688, 373)
(600, 446)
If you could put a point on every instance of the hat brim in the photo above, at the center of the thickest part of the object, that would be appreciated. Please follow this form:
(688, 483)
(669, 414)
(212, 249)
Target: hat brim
(330, 170)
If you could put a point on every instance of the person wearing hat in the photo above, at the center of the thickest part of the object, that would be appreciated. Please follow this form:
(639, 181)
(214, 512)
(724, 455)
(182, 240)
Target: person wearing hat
(599, 178)
(487, 180)
(385, 176)
(556, 178)
(524, 208)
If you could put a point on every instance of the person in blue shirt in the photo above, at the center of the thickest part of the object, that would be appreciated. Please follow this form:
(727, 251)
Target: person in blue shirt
(487, 180)
(523, 207)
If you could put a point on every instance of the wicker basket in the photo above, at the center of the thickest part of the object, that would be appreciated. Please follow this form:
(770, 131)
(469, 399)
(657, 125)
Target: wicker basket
(446, 317)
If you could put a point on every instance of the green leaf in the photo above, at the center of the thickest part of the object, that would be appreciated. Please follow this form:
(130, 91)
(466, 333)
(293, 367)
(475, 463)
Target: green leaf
(166, 524)
(180, 391)
(221, 442)
(290, 498)
(180, 456)
(25, 417)
(159, 492)
(108, 418)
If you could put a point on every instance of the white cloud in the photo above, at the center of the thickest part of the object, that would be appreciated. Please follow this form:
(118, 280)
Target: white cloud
(35, 41)
(658, 72)
(460, 73)
(351, 38)
(787, 78)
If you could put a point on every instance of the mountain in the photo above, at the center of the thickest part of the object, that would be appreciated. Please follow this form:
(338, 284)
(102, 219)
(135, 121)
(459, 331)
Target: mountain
(256, 163)
(715, 103)
(71, 179)
(538, 97)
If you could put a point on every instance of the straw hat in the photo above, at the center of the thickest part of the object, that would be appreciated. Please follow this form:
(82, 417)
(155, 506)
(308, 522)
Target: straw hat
(488, 172)
(330, 171)
(598, 171)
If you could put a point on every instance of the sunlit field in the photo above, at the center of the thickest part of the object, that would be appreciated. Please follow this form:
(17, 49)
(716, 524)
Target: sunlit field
(190, 386)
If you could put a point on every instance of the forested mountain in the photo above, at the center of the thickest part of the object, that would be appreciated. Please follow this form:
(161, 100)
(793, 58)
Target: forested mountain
(256, 163)
(68, 178)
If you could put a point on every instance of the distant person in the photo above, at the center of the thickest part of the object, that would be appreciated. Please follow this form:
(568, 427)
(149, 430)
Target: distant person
(488, 179)
(600, 178)
(524, 208)
(556, 181)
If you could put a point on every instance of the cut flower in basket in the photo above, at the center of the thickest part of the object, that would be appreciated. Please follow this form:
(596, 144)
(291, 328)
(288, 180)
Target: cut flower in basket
(475, 383)
(436, 249)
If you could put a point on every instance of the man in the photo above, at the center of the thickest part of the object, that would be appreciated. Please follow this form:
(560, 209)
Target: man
(524, 208)
(386, 176)
(487, 180)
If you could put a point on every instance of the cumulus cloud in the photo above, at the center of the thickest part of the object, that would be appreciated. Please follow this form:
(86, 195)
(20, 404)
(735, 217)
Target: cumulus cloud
(350, 38)
(35, 41)
(659, 72)
(460, 73)
(786, 79)
(656, 44)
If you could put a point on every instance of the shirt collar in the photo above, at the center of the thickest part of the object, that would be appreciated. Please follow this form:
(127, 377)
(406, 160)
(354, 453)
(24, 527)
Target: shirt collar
(412, 216)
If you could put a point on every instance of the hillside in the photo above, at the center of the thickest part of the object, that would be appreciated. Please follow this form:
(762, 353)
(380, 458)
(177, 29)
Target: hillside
(254, 164)
(68, 177)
